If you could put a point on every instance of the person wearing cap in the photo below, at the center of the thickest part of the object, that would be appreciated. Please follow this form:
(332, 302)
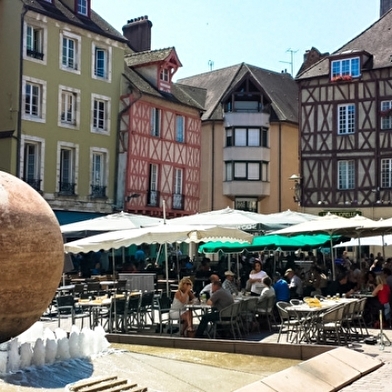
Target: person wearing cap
(229, 283)
(207, 289)
(256, 277)
(295, 283)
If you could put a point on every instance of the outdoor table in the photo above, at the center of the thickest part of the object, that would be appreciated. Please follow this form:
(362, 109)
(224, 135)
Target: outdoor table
(198, 309)
(66, 288)
(95, 306)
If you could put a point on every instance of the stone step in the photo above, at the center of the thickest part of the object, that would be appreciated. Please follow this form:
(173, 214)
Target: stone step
(105, 384)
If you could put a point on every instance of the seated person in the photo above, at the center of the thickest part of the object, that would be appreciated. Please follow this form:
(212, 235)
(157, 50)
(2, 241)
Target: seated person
(281, 287)
(207, 289)
(219, 300)
(268, 291)
(369, 281)
(183, 296)
(229, 283)
(295, 284)
(341, 285)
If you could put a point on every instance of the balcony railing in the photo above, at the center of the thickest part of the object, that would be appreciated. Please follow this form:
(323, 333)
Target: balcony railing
(98, 191)
(153, 198)
(35, 54)
(178, 201)
(34, 183)
(66, 188)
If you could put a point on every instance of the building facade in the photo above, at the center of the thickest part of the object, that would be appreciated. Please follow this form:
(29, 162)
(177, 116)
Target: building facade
(60, 77)
(346, 122)
(160, 138)
(249, 139)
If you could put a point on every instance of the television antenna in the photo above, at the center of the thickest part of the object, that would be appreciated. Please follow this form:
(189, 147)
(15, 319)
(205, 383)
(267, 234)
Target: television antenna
(291, 62)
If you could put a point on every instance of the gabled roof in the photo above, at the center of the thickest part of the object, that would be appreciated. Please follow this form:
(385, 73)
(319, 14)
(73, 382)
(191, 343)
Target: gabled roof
(185, 95)
(375, 40)
(149, 56)
(280, 89)
(60, 11)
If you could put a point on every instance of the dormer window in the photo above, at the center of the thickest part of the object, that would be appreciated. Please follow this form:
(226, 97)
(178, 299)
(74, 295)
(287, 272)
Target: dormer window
(164, 75)
(345, 69)
(83, 7)
(247, 98)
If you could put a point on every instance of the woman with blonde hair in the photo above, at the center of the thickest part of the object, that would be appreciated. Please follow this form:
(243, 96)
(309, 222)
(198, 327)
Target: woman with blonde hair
(184, 295)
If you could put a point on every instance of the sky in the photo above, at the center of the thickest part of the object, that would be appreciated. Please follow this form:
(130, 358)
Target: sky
(271, 34)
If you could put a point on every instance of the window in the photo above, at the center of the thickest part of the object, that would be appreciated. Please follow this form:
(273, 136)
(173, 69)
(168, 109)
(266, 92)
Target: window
(83, 7)
(247, 98)
(67, 171)
(32, 164)
(101, 62)
(34, 97)
(100, 114)
(69, 106)
(155, 121)
(386, 114)
(346, 67)
(246, 137)
(386, 173)
(177, 196)
(265, 137)
(244, 171)
(346, 119)
(70, 52)
(98, 173)
(346, 175)
(180, 129)
(164, 75)
(35, 42)
(245, 204)
(153, 194)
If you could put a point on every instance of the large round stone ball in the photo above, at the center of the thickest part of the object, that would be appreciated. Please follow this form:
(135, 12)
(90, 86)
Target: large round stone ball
(31, 256)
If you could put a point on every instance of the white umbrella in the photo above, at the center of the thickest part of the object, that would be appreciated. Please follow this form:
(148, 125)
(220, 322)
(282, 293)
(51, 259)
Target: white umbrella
(330, 224)
(156, 234)
(118, 221)
(377, 240)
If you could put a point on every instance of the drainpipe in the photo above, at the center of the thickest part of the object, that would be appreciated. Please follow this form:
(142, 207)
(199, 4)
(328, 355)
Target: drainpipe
(213, 164)
(120, 114)
(280, 168)
(19, 118)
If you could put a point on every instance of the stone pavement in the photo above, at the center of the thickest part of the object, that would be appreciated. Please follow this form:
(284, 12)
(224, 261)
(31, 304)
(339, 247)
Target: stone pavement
(377, 380)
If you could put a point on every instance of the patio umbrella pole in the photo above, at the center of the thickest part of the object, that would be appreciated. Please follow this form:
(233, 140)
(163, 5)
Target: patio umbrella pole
(166, 258)
(114, 276)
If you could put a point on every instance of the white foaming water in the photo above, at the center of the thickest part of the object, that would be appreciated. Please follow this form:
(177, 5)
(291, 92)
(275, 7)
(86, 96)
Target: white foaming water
(40, 346)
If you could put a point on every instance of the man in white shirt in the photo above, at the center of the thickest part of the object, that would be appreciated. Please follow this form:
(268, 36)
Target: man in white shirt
(207, 289)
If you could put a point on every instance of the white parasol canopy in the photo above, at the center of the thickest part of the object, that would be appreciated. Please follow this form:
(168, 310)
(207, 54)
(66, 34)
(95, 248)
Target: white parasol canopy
(118, 221)
(157, 234)
(229, 217)
(377, 240)
(330, 224)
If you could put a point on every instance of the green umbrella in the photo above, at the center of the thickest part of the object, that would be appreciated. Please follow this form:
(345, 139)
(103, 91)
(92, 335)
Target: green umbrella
(303, 241)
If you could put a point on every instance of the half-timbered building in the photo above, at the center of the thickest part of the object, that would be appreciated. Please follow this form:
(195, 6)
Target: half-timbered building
(160, 131)
(346, 126)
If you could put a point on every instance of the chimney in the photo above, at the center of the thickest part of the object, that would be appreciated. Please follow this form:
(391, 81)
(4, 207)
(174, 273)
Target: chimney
(138, 33)
(385, 6)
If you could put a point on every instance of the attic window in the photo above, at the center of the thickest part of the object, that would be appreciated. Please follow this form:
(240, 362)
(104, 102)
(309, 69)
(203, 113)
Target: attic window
(390, 58)
(164, 75)
(345, 69)
(83, 7)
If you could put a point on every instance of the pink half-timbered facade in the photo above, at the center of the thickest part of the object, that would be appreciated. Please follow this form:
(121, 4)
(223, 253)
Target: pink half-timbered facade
(160, 138)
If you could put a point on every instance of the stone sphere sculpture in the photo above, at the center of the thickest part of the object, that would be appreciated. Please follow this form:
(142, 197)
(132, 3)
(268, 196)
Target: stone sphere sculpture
(31, 256)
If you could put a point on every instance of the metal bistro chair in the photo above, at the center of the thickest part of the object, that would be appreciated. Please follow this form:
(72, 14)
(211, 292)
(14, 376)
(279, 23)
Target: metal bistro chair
(248, 314)
(330, 325)
(66, 308)
(265, 309)
(164, 304)
(146, 309)
(118, 314)
(133, 311)
(291, 324)
(228, 320)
